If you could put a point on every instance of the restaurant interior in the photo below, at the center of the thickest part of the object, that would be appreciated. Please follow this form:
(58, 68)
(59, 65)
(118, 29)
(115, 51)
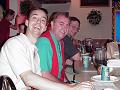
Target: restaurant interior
(103, 30)
(99, 26)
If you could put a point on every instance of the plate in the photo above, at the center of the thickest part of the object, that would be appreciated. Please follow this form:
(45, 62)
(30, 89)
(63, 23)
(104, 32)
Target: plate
(97, 78)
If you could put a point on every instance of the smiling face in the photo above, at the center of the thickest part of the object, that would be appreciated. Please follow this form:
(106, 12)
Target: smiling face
(36, 23)
(73, 28)
(60, 27)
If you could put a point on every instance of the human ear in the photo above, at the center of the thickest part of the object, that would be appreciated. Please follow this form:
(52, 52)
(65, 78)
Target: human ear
(26, 22)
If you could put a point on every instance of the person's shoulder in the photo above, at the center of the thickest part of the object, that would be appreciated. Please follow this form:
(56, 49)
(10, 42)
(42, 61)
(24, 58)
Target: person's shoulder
(11, 44)
(65, 38)
(43, 40)
(4, 22)
(15, 40)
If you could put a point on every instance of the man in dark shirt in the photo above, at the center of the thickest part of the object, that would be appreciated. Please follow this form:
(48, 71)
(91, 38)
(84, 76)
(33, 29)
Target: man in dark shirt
(71, 52)
(70, 49)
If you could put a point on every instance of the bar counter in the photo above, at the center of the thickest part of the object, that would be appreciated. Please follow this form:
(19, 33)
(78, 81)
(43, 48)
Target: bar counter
(85, 75)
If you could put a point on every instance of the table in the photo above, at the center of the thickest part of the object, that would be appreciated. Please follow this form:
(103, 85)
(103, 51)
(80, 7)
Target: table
(85, 75)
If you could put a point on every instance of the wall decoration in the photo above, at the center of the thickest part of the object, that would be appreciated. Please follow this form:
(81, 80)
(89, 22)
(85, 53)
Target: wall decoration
(94, 17)
(94, 2)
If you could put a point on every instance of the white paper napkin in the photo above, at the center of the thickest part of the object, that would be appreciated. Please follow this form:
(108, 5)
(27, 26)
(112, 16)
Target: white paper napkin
(113, 63)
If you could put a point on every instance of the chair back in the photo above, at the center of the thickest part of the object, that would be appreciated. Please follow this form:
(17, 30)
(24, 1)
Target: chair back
(6, 83)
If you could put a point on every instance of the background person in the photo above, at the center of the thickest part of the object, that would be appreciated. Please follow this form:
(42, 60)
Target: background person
(20, 61)
(22, 28)
(71, 52)
(5, 26)
(25, 6)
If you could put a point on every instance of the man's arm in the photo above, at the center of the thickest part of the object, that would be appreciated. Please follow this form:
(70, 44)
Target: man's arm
(44, 84)
(49, 76)
(33, 80)
(76, 57)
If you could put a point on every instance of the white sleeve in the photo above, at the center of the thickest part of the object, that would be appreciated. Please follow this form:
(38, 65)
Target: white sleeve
(15, 53)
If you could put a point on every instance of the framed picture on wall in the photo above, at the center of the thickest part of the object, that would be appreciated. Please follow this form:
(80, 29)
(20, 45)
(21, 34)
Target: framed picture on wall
(85, 3)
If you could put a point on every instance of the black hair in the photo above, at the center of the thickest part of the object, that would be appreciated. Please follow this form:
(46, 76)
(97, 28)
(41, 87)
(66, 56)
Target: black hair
(9, 12)
(74, 19)
(51, 17)
(37, 8)
(6, 83)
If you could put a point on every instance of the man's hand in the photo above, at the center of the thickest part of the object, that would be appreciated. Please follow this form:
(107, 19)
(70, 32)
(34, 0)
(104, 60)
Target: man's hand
(84, 86)
(69, 62)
